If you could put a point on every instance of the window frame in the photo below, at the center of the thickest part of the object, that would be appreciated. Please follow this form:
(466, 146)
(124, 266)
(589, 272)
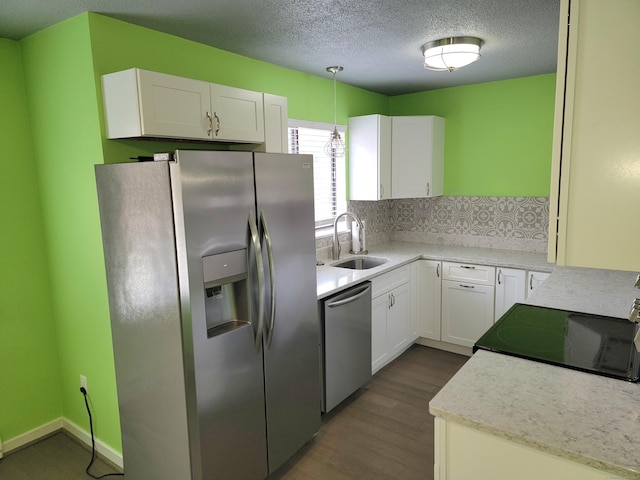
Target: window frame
(322, 226)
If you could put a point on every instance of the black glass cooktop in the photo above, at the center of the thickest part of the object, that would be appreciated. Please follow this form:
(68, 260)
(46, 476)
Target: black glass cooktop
(591, 343)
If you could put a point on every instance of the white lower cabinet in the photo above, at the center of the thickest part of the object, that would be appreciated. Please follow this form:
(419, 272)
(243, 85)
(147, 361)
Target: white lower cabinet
(534, 279)
(467, 312)
(467, 302)
(426, 282)
(390, 316)
(510, 289)
(462, 453)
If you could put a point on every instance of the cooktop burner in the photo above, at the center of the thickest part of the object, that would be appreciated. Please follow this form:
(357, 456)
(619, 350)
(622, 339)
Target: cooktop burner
(591, 343)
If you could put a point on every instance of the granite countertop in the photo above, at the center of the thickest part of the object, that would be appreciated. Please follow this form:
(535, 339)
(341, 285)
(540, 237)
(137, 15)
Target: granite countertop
(331, 279)
(582, 417)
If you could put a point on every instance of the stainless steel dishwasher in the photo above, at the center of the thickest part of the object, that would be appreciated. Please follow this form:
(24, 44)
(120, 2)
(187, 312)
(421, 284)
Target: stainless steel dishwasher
(346, 344)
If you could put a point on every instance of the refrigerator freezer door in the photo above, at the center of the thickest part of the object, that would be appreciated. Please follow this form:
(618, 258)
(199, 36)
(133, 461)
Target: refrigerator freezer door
(136, 215)
(284, 192)
(225, 383)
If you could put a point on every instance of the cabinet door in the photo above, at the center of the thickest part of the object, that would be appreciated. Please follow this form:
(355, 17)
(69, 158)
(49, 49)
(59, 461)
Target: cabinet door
(237, 114)
(417, 156)
(427, 298)
(276, 118)
(398, 319)
(370, 157)
(467, 273)
(379, 354)
(594, 187)
(467, 312)
(462, 452)
(140, 103)
(510, 289)
(534, 279)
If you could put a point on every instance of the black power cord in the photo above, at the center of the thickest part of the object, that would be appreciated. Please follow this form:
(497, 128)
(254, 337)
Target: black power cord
(93, 442)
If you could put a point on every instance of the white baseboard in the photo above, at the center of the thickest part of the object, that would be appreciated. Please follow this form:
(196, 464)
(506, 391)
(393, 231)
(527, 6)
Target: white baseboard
(102, 448)
(449, 347)
(54, 426)
(33, 435)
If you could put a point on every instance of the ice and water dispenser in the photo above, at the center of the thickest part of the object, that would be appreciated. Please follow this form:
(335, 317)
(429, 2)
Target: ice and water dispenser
(226, 291)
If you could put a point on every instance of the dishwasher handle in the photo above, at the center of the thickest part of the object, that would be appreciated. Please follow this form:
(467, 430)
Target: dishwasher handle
(351, 298)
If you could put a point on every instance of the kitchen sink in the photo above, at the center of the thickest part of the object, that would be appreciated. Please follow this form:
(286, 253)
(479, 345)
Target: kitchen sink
(361, 263)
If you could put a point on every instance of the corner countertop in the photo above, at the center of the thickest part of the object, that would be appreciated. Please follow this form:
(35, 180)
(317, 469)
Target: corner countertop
(331, 279)
(589, 419)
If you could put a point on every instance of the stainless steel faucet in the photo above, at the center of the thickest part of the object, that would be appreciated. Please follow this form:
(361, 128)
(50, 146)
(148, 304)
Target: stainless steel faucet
(634, 313)
(335, 248)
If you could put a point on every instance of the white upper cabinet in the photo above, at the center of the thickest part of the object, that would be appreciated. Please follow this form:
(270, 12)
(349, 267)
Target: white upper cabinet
(276, 118)
(141, 103)
(417, 156)
(370, 157)
(595, 187)
(237, 114)
(395, 157)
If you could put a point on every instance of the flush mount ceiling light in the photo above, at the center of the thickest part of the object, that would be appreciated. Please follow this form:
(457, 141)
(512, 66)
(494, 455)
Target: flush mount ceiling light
(451, 53)
(335, 145)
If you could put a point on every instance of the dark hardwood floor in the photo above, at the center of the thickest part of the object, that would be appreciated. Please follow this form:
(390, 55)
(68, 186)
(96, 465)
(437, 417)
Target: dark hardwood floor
(58, 457)
(383, 431)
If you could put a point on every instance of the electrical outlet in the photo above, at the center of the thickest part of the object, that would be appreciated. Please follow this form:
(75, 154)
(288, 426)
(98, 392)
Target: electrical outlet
(83, 383)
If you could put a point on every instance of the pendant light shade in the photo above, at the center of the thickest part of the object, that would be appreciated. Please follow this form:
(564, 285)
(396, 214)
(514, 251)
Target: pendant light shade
(449, 54)
(335, 146)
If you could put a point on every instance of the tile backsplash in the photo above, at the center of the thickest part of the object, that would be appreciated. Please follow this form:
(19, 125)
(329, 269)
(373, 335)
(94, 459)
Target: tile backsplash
(512, 223)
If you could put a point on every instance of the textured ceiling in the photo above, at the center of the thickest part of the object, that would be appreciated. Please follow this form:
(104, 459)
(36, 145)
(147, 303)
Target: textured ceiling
(377, 42)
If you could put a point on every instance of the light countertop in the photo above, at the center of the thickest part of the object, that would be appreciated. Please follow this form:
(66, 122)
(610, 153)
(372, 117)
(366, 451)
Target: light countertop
(331, 280)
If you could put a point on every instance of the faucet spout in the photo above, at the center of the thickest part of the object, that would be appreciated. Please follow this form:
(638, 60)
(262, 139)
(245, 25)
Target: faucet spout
(335, 247)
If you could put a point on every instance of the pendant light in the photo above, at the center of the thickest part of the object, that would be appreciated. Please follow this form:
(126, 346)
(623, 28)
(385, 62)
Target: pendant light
(335, 145)
(450, 54)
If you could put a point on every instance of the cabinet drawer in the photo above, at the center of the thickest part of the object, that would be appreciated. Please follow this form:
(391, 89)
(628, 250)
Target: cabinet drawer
(390, 280)
(464, 272)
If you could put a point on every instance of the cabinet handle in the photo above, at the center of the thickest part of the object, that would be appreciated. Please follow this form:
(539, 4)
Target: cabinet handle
(389, 304)
(499, 276)
(468, 267)
(381, 191)
(530, 282)
(428, 188)
(210, 121)
(215, 115)
(467, 286)
(438, 270)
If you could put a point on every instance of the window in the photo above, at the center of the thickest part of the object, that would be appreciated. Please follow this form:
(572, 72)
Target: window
(329, 176)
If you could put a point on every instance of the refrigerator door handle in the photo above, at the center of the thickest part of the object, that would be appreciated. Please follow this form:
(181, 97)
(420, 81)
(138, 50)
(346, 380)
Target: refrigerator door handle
(254, 237)
(272, 277)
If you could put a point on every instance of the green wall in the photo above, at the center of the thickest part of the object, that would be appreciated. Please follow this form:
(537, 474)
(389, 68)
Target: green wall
(498, 135)
(29, 378)
(67, 141)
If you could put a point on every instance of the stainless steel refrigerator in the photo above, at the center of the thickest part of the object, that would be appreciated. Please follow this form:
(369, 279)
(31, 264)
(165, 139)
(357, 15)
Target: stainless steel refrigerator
(210, 261)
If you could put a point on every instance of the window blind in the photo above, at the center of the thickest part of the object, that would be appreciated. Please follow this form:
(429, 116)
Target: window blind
(329, 175)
